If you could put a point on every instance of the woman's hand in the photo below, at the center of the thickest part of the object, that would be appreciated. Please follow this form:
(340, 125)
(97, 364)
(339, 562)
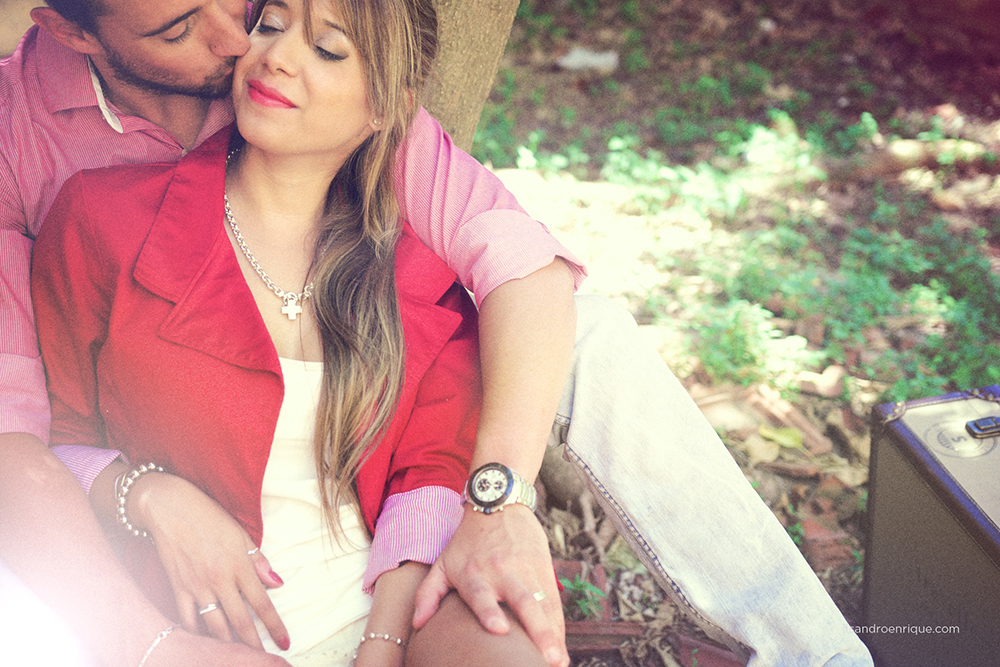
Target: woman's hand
(392, 609)
(211, 561)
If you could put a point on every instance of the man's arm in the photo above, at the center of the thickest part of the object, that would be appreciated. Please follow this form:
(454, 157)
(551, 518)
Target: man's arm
(527, 327)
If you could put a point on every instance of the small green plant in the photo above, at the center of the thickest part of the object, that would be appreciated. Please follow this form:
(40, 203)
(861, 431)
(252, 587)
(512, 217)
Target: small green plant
(630, 11)
(751, 79)
(635, 54)
(538, 25)
(494, 142)
(585, 595)
(567, 117)
(857, 567)
(586, 8)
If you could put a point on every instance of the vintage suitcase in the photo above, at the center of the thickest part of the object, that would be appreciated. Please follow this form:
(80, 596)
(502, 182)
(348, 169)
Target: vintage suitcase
(932, 558)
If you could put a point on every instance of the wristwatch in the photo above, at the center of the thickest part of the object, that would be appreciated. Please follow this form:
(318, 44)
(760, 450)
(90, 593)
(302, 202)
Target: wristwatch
(494, 486)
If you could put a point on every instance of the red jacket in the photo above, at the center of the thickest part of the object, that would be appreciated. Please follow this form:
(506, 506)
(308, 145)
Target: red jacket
(154, 345)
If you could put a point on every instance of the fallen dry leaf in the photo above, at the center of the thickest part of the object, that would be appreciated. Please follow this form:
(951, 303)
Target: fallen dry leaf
(786, 437)
(760, 450)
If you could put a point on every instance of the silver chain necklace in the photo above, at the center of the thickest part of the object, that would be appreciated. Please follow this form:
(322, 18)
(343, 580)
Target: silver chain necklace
(290, 300)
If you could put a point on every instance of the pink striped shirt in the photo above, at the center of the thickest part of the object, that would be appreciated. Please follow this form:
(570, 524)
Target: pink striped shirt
(54, 121)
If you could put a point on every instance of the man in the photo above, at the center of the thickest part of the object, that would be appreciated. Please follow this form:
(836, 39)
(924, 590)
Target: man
(156, 71)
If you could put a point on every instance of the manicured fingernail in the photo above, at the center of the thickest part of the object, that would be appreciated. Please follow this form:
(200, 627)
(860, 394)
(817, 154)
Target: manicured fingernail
(553, 656)
(283, 643)
(278, 580)
(495, 625)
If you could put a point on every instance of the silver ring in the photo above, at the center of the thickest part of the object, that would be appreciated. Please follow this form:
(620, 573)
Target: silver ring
(539, 596)
(207, 608)
(253, 551)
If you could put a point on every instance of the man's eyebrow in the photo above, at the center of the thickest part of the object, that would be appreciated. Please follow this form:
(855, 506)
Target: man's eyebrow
(171, 23)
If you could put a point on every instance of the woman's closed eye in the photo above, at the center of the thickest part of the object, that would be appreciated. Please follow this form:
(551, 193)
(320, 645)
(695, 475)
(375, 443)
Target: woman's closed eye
(270, 22)
(328, 55)
(265, 29)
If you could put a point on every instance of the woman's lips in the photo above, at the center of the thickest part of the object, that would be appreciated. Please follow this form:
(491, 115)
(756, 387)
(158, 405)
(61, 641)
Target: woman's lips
(267, 96)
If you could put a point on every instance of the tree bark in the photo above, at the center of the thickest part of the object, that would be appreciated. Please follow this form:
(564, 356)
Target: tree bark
(14, 20)
(473, 34)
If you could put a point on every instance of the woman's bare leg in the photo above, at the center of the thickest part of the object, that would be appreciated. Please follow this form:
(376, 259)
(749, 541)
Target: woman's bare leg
(454, 638)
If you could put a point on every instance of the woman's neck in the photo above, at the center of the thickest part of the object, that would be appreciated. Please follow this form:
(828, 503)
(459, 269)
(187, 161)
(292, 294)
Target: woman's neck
(277, 204)
(287, 194)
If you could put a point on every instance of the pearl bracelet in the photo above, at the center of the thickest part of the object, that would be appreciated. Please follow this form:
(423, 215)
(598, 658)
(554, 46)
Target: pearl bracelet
(123, 484)
(371, 635)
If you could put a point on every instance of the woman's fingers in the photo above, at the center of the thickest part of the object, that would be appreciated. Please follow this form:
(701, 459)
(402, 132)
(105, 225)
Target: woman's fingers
(262, 567)
(187, 609)
(214, 618)
(239, 618)
(214, 567)
(259, 601)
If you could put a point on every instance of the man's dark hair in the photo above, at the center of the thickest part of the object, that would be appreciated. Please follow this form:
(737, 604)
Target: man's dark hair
(83, 13)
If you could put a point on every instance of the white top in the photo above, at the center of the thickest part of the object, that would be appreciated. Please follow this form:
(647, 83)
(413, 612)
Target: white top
(321, 603)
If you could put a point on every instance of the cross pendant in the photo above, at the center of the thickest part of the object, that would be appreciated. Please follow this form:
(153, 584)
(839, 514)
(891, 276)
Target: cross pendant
(291, 308)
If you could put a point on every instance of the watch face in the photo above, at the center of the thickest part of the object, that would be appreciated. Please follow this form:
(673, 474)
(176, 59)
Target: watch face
(490, 485)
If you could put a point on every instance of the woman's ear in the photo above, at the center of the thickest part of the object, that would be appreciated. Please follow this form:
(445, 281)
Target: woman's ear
(65, 31)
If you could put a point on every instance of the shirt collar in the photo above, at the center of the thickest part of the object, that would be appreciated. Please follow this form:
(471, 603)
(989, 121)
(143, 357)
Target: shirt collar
(102, 103)
(70, 81)
(64, 76)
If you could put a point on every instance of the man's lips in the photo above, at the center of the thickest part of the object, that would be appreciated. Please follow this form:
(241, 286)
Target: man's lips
(267, 96)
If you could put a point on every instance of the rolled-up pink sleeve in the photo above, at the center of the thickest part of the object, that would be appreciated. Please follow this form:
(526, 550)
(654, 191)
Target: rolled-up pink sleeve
(464, 214)
(86, 463)
(414, 525)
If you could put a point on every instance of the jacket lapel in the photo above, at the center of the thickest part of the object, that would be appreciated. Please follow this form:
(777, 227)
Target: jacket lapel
(188, 260)
(422, 279)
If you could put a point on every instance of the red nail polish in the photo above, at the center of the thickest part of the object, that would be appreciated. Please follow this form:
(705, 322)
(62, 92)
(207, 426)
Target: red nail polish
(283, 643)
(278, 580)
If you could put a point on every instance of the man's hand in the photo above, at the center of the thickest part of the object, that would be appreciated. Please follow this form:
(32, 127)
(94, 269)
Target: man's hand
(500, 558)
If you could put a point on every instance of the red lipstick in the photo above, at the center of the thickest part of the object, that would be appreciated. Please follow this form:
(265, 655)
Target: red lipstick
(267, 96)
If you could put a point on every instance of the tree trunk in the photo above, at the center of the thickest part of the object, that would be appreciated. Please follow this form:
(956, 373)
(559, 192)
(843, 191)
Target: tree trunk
(14, 20)
(473, 34)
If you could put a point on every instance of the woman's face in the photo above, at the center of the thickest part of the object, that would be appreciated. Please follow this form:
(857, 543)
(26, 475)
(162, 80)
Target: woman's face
(299, 96)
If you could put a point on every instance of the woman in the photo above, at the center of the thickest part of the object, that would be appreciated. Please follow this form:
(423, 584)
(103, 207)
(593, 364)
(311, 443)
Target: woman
(240, 319)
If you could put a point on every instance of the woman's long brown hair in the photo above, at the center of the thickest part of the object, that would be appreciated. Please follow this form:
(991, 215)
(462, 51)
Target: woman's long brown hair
(355, 298)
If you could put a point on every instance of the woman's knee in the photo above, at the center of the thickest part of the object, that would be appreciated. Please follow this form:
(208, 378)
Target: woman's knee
(454, 637)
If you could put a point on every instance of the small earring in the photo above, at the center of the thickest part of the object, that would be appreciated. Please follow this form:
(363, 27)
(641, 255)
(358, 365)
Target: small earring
(377, 122)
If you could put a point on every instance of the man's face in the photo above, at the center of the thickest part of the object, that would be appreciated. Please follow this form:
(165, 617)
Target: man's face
(173, 47)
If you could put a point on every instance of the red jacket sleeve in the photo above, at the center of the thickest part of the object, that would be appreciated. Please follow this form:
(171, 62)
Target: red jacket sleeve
(440, 435)
(70, 292)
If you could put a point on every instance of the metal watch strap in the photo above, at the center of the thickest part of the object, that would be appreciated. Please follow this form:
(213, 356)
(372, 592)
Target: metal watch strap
(523, 493)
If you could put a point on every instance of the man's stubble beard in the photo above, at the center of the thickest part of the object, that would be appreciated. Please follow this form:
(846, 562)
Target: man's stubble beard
(216, 86)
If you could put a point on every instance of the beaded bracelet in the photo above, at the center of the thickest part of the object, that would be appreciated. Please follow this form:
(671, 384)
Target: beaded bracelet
(123, 484)
(371, 635)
